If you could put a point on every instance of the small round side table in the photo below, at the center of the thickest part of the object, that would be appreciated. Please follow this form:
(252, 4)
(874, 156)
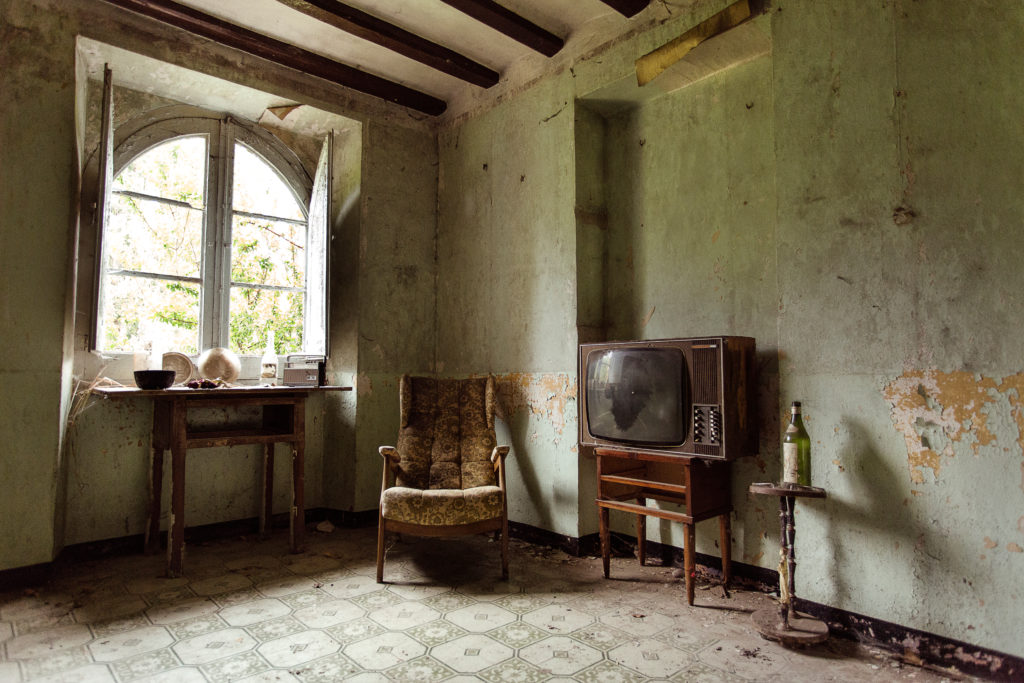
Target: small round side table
(785, 624)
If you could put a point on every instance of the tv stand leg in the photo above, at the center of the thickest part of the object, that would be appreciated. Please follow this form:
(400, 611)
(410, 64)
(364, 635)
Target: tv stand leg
(641, 534)
(606, 546)
(726, 540)
(689, 563)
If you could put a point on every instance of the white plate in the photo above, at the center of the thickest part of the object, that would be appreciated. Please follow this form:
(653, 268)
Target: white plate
(184, 370)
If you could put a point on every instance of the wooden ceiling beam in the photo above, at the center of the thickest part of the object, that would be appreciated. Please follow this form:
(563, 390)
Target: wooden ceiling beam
(380, 32)
(279, 52)
(627, 8)
(511, 24)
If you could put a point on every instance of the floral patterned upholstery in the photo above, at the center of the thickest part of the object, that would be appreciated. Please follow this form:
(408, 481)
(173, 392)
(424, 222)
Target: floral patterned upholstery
(447, 433)
(441, 507)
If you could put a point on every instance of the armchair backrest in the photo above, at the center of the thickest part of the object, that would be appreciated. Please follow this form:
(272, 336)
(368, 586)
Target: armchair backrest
(447, 433)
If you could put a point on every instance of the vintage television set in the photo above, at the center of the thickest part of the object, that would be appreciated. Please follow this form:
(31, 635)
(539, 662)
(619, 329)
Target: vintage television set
(692, 397)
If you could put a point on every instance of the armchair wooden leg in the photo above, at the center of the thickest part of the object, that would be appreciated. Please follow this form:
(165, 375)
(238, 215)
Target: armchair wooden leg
(504, 549)
(641, 533)
(726, 540)
(380, 548)
(606, 545)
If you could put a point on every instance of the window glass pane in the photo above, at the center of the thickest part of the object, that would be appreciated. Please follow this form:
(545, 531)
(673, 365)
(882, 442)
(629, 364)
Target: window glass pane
(138, 310)
(268, 252)
(175, 169)
(259, 189)
(153, 237)
(256, 311)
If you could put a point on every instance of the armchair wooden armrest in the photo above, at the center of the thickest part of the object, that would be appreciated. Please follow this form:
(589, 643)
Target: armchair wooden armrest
(499, 452)
(391, 460)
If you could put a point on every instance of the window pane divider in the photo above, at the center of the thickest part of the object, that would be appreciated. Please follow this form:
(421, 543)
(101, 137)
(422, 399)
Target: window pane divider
(276, 288)
(154, 198)
(265, 217)
(154, 276)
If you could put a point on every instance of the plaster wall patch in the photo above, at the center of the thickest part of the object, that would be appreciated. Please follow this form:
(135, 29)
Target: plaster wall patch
(941, 413)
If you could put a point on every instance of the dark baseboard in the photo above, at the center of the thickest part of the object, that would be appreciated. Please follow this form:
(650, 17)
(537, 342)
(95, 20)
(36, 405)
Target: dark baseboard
(918, 647)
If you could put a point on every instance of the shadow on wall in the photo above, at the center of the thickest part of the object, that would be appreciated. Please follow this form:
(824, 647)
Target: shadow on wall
(875, 504)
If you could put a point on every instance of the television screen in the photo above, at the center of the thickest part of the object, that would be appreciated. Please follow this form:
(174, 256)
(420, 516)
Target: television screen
(637, 395)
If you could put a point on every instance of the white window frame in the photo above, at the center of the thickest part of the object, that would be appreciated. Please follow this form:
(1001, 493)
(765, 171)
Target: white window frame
(222, 132)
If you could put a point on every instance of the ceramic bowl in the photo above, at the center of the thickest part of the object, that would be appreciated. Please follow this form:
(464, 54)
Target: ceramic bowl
(154, 379)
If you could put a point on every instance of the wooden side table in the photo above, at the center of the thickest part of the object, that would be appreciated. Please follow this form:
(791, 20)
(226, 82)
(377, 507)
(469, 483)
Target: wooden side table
(701, 486)
(283, 419)
(785, 624)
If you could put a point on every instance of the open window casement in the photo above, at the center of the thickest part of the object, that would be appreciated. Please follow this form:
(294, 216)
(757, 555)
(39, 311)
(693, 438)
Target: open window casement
(318, 265)
(104, 180)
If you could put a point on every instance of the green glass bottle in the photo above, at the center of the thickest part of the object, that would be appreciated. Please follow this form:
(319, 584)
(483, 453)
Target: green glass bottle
(796, 450)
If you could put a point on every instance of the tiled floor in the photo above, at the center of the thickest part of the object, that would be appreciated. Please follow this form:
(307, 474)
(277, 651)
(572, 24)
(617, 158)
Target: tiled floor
(249, 611)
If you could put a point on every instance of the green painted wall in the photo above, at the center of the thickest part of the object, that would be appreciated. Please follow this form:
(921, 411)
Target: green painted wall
(385, 194)
(852, 201)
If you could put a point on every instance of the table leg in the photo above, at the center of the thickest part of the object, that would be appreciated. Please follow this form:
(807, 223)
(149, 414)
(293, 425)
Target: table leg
(606, 546)
(641, 533)
(267, 481)
(156, 483)
(176, 536)
(689, 560)
(725, 535)
(791, 551)
(298, 511)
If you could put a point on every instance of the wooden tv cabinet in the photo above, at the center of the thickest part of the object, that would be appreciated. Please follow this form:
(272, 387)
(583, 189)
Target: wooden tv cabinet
(627, 480)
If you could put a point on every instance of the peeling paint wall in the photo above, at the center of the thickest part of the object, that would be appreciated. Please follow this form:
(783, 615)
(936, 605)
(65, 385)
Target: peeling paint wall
(851, 200)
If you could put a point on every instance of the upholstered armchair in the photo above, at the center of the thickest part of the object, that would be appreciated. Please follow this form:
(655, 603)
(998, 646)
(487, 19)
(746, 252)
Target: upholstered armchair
(446, 477)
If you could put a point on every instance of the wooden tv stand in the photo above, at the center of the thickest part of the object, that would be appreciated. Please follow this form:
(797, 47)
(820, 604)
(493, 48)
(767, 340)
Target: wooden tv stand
(626, 480)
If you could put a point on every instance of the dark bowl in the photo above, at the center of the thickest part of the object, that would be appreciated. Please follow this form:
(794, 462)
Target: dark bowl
(154, 379)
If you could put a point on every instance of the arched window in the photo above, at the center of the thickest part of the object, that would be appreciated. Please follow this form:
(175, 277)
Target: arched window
(208, 241)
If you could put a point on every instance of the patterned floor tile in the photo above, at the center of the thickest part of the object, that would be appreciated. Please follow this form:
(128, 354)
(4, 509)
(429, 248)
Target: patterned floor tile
(746, 659)
(609, 672)
(702, 673)
(276, 628)
(404, 615)
(481, 617)
(514, 671)
(234, 667)
(601, 636)
(351, 586)
(312, 564)
(328, 613)
(424, 668)
(171, 612)
(104, 610)
(558, 619)
(436, 632)
(561, 655)
(376, 600)
(449, 601)
(471, 653)
(212, 646)
(57, 662)
(330, 669)
(298, 648)
(637, 622)
(357, 629)
(196, 626)
(154, 584)
(521, 603)
(130, 643)
(145, 664)
(101, 629)
(305, 599)
(254, 612)
(518, 634)
(93, 673)
(650, 657)
(182, 674)
(384, 651)
(45, 643)
(286, 585)
(690, 640)
(271, 676)
(418, 591)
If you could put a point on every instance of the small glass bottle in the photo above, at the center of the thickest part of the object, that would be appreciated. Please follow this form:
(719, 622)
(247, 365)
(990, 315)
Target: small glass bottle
(268, 364)
(796, 450)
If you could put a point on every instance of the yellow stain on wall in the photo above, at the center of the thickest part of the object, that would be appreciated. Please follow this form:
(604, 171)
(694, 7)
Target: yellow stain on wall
(955, 404)
(544, 395)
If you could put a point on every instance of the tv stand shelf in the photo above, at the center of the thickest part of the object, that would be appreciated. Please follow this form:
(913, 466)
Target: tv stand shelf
(699, 486)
